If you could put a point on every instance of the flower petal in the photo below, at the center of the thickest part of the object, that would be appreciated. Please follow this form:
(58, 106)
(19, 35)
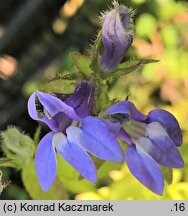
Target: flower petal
(54, 105)
(83, 98)
(118, 131)
(97, 139)
(128, 108)
(58, 122)
(76, 156)
(161, 147)
(115, 38)
(96, 129)
(123, 135)
(145, 169)
(32, 107)
(113, 127)
(125, 15)
(45, 162)
(169, 122)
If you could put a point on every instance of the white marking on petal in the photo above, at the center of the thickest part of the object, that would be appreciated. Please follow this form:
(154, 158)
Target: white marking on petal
(155, 129)
(58, 140)
(144, 145)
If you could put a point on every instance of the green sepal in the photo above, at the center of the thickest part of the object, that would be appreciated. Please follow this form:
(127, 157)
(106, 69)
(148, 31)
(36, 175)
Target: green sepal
(29, 178)
(167, 174)
(83, 63)
(17, 146)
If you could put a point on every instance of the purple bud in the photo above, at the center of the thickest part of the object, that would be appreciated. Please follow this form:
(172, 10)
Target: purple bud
(117, 36)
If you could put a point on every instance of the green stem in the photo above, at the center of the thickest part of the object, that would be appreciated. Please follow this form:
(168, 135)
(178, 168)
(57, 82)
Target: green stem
(95, 52)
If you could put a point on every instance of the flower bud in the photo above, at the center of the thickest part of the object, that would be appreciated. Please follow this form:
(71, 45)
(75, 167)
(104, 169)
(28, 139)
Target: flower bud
(117, 36)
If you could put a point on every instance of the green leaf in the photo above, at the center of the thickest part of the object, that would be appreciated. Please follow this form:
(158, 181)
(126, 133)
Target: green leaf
(70, 178)
(17, 146)
(167, 173)
(136, 62)
(128, 67)
(56, 192)
(83, 63)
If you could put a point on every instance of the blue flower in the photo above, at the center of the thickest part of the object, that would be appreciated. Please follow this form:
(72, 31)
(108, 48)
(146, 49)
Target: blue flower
(61, 113)
(117, 36)
(152, 139)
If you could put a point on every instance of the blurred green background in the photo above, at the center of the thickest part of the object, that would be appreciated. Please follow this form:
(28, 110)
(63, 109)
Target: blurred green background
(37, 44)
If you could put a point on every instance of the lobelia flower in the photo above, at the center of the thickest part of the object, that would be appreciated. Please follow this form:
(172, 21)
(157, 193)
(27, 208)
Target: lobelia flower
(59, 112)
(152, 139)
(117, 35)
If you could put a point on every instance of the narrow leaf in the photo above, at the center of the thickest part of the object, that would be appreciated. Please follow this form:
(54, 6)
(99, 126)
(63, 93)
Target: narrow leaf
(128, 67)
